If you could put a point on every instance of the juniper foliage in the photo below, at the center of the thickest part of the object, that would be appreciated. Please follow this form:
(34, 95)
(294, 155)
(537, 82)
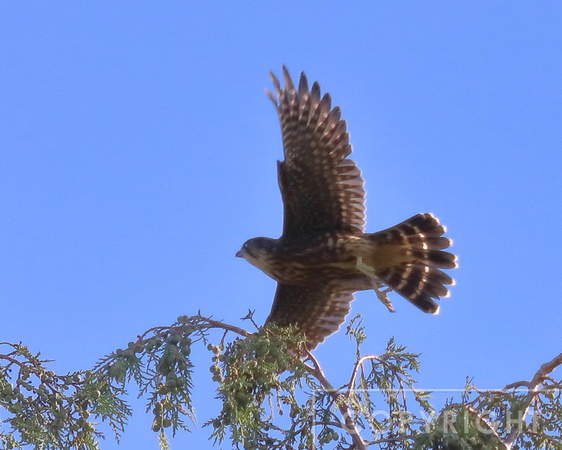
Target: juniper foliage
(271, 394)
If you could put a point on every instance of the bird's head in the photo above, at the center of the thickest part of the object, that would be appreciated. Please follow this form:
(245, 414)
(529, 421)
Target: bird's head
(257, 251)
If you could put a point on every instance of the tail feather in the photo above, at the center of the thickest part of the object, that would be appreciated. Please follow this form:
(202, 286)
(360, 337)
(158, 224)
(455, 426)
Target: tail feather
(418, 243)
(435, 258)
(426, 224)
(424, 241)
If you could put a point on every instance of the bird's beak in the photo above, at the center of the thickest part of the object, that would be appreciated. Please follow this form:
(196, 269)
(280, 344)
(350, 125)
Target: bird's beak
(240, 254)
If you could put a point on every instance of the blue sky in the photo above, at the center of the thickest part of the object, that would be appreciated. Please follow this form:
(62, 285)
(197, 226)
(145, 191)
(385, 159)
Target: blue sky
(138, 152)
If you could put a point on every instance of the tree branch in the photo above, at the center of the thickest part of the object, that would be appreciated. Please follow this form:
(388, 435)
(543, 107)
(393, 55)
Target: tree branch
(533, 387)
(340, 400)
(227, 327)
(358, 365)
(489, 427)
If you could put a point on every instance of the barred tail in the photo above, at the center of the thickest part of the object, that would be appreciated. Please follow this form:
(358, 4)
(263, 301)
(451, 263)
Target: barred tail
(415, 247)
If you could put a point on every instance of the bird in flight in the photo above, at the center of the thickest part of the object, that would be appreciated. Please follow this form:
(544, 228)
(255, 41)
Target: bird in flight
(324, 255)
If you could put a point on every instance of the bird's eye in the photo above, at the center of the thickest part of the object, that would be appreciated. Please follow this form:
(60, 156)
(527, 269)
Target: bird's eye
(246, 248)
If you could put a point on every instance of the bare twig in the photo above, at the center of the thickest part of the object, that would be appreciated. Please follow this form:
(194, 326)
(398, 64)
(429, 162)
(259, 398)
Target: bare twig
(226, 326)
(329, 424)
(390, 440)
(358, 365)
(250, 317)
(517, 384)
(340, 400)
(533, 387)
(210, 322)
(489, 427)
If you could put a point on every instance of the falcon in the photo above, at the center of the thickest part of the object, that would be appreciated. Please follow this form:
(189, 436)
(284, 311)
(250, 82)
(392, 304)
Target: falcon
(324, 255)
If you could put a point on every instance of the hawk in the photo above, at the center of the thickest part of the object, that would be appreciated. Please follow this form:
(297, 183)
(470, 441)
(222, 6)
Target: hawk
(324, 255)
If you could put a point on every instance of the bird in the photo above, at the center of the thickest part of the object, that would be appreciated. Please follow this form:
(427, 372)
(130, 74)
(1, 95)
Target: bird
(324, 254)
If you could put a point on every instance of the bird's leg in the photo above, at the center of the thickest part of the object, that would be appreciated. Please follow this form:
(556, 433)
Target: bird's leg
(381, 295)
(364, 268)
(370, 272)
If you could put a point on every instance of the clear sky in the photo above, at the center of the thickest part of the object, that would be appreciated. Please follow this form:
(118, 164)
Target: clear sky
(138, 152)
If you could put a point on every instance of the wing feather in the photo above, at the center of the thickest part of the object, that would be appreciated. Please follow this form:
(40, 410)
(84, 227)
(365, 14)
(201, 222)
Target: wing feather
(322, 190)
(315, 310)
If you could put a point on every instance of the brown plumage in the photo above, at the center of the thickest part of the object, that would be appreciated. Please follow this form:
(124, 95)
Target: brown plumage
(323, 255)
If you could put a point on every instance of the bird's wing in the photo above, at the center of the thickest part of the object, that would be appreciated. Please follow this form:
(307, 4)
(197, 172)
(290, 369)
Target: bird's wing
(315, 310)
(322, 190)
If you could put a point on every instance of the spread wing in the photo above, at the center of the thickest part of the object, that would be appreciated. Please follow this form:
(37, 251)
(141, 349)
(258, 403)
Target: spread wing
(315, 310)
(322, 190)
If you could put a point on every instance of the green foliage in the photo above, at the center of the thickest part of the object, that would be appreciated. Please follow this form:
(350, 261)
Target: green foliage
(485, 420)
(159, 363)
(48, 410)
(254, 374)
(272, 394)
(389, 377)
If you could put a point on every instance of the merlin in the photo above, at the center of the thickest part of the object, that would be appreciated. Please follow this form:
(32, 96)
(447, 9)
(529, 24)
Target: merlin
(324, 255)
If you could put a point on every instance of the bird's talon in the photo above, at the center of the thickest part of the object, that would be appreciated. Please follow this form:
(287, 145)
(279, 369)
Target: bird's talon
(381, 295)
